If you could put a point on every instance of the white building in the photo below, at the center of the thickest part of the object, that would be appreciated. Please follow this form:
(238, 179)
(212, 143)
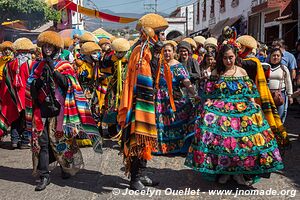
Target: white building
(77, 18)
(181, 21)
(211, 16)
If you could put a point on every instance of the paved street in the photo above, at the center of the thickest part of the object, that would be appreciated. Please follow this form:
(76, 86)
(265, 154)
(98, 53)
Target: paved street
(103, 175)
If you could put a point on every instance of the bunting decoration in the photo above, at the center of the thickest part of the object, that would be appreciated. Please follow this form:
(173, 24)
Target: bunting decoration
(97, 14)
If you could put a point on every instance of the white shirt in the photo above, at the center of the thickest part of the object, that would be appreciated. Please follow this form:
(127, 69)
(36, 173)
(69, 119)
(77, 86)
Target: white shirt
(280, 74)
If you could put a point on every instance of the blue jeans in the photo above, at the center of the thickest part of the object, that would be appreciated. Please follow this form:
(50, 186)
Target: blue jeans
(282, 110)
(18, 133)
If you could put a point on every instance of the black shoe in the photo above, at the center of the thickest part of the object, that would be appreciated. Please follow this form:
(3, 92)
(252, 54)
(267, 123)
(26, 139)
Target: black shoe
(25, 146)
(65, 175)
(148, 182)
(43, 184)
(14, 145)
(136, 185)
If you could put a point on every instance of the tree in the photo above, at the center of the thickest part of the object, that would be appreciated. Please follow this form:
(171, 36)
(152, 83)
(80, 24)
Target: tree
(33, 12)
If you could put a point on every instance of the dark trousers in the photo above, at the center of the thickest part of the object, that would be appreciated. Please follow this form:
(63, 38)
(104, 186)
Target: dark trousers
(137, 166)
(46, 155)
(18, 133)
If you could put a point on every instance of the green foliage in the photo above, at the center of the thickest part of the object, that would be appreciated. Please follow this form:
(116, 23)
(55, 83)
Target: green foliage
(34, 12)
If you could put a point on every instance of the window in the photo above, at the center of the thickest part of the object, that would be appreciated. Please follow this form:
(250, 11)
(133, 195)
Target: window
(212, 8)
(222, 6)
(204, 10)
(234, 3)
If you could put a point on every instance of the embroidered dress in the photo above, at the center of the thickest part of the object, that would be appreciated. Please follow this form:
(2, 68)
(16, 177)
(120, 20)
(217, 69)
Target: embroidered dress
(174, 128)
(232, 135)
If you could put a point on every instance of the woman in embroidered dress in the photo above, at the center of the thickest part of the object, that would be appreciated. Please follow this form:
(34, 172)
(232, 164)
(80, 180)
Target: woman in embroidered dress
(56, 110)
(232, 136)
(174, 113)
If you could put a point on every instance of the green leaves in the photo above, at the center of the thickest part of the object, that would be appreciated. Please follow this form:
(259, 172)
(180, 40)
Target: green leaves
(33, 12)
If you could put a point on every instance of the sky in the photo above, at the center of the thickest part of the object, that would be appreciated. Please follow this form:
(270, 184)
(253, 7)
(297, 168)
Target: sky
(138, 6)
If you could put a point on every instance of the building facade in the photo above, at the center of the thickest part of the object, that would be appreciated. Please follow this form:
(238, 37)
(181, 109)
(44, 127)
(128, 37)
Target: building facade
(271, 19)
(181, 22)
(211, 16)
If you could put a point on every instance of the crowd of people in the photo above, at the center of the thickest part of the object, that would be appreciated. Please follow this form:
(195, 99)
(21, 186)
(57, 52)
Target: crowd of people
(220, 102)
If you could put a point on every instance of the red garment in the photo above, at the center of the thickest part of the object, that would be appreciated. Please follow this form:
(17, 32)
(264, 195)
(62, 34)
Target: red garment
(12, 92)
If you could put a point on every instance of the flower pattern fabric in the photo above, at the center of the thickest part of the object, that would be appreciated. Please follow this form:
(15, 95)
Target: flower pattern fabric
(175, 129)
(232, 135)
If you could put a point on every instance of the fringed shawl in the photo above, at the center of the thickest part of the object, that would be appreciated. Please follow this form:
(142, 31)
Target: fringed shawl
(268, 106)
(77, 115)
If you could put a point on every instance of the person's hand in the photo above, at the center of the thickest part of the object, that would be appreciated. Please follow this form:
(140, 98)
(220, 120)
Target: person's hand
(50, 62)
(256, 105)
(290, 100)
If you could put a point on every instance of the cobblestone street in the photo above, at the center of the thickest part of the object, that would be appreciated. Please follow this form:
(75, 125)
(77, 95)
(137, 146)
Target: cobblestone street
(104, 175)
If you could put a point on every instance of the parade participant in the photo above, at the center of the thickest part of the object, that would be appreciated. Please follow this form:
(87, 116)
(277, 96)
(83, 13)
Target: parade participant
(106, 69)
(185, 51)
(200, 50)
(280, 84)
(194, 48)
(88, 71)
(7, 52)
(72, 48)
(56, 110)
(256, 73)
(12, 93)
(211, 44)
(262, 53)
(288, 59)
(136, 114)
(115, 86)
(206, 68)
(7, 55)
(232, 136)
(175, 114)
(66, 54)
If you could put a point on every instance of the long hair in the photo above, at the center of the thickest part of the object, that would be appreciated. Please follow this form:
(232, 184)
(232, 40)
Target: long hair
(224, 48)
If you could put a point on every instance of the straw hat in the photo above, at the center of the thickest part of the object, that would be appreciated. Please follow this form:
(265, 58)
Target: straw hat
(68, 42)
(50, 37)
(120, 44)
(23, 44)
(200, 39)
(172, 42)
(112, 38)
(211, 41)
(152, 20)
(131, 42)
(247, 41)
(191, 41)
(89, 47)
(5, 45)
(87, 37)
(104, 41)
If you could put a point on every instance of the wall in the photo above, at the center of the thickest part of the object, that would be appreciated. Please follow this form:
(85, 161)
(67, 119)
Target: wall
(190, 15)
(77, 21)
(177, 24)
(243, 8)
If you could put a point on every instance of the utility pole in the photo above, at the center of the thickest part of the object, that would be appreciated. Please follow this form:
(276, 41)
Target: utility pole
(186, 21)
(298, 19)
(150, 7)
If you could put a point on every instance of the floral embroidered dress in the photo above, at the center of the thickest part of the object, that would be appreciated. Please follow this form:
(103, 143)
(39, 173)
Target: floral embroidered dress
(175, 129)
(232, 135)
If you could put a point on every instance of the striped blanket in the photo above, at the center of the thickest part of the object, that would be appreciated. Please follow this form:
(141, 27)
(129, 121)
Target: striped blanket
(12, 92)
(136, 114)
(268, 106)
(77, 115)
